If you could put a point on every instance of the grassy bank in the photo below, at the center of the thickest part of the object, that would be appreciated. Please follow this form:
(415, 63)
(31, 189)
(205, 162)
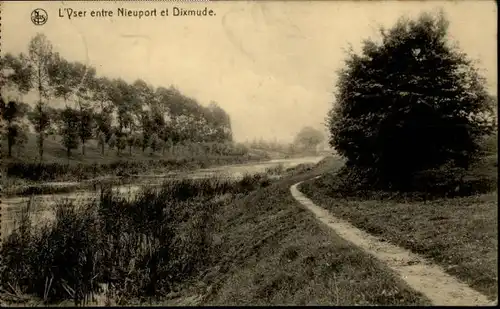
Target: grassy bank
(56, 166)
(36, 172)
(39, 189)
(460, 233)
(139, 248)
(214, 242)
(275, 253)
(16, 187)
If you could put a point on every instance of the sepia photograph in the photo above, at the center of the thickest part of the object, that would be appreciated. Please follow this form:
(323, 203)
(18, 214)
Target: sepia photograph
(241, 153)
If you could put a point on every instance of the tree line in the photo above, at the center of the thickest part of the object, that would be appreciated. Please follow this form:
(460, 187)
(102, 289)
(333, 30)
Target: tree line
(307, 139)
(113, 112)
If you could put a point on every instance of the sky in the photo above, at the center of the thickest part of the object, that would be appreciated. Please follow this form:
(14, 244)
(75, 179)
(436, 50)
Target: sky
(270, 64)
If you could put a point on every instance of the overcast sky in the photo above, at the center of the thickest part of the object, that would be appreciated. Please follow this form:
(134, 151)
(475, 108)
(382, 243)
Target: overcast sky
(271, 65)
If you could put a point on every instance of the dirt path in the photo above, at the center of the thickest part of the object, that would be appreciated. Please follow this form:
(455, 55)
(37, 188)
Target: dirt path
(423, 276)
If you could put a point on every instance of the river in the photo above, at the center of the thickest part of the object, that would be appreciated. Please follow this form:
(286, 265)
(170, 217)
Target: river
(41, 210)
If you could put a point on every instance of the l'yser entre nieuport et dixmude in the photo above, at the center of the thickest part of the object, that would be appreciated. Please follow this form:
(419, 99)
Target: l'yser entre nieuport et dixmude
(123, 12)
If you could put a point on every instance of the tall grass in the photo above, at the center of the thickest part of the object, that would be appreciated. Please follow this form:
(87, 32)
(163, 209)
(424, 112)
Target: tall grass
(275, 169)
(138, 247)
(59, 171)
(180, 156)
(445, 181)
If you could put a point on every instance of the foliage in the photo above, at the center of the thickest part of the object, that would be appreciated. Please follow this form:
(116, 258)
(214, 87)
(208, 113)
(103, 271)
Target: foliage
(155, 143)
(273, 146)
(309, 138)
(61, 77)
(103, 124)
(11, 113)
(112, 141)
(121, 143)
(21, 138)
(69, 129)
(178, 157)
(40, 118)
(408, 104)
(132, 140)
(110, 106)
(40, 57)
(20, 75)
(141, 247)
(85, 126)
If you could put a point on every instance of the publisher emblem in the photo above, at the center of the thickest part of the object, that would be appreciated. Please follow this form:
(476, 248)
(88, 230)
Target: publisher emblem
(39, 17)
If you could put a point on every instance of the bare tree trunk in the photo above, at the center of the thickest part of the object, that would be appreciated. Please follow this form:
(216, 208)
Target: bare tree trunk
(9, 142)
(41, 139)
(41, 123)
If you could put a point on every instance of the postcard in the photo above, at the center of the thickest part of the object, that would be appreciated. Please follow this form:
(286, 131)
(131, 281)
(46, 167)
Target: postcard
(206, 153)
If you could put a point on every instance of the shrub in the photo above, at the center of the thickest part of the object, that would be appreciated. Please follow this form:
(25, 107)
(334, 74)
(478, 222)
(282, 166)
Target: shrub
(140, 247)
(446, 181)
(396, 113)
(276, 169)
(80, 171)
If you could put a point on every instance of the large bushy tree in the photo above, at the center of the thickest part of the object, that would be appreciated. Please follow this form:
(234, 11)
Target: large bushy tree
(409, 103)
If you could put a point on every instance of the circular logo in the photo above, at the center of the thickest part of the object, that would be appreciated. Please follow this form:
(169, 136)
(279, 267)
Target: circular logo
(39, 17)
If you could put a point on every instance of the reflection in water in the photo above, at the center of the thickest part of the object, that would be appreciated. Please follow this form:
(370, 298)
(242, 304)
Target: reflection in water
(42, 204)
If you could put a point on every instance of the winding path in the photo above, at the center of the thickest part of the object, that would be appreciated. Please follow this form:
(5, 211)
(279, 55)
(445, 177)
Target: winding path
(420, 274)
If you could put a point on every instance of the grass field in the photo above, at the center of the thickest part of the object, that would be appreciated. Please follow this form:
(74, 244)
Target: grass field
(24, 165)
(267, 250)
(460, 234)
(55, 152)
(277, 254)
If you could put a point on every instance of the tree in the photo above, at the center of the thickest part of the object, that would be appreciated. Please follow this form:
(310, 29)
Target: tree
(11, 113)
(62, 77)
(146, 128)
(22, 139)
(85, 126)
(102, 122)
(143, 93)
(20, 73)
(122, 96)
(309, 138)
(139, 107)
(112, 141)
(121, 143)
(220, 122)
(40, 58)
(155, 143)
(40, 118)
(101, 88)
(410, 103)
(131, 142)
(84, 77)
(53, 115)
(101, 141)
(69, 129)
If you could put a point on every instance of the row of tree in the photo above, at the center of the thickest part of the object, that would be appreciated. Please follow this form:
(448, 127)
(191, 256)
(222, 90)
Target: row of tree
(111, 111)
